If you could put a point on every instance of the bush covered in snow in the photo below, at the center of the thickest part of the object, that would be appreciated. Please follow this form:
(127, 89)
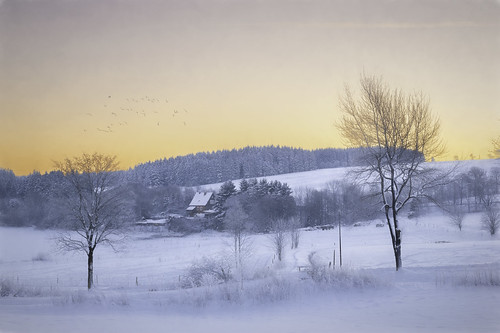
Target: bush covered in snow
(340, 277)
(207, 272)
(479, 278)
(93, 297)
(9, 287)
(471, 278)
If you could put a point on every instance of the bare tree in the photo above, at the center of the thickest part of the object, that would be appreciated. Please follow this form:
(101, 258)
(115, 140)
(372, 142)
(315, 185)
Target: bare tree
(456, 215)
(491, 219)
(280, 227)
(95, 206)
(396, 133)
(496, 147)
(236, 222)
(294, 226)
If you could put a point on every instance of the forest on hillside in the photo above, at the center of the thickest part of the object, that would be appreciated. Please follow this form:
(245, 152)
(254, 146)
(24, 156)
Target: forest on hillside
(248, 162)
(159, 186)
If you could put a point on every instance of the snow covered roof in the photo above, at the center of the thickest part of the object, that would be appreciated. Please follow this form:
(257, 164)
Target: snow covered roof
(152, 222)
(201, 198)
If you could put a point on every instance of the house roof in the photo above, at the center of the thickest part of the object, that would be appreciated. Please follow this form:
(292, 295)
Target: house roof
(201, 198)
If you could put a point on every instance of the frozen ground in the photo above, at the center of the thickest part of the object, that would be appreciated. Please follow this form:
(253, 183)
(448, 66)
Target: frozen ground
(449, 283)
(435, 292)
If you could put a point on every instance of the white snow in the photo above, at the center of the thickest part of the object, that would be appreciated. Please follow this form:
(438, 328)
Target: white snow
(137, 288)
(319, 179)
(201, 198)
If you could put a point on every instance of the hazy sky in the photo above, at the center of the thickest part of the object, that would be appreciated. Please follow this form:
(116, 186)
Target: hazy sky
(150, 79)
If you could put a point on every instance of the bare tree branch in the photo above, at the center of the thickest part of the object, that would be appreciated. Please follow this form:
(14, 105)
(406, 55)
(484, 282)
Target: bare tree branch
(96, 205)
(396, 132)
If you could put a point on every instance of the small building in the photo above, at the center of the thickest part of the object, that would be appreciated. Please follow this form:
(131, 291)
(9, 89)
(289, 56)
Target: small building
(202, 204)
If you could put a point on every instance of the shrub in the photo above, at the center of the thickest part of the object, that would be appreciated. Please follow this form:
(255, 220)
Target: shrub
(339, 278)
(491, 220)
(41, 257)
(273, 289)
(476, 278)
(10, 288)
(185, 226)
(207, 272)
(479, 278)
(6, 287)
(94, 297)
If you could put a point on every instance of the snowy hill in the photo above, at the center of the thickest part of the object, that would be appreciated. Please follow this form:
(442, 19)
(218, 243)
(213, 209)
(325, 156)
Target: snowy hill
(319, 179)
(207, 167)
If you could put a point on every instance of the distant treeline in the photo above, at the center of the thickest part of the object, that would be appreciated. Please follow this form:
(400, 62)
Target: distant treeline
(248, 162)
(155, 187)
(41, 199)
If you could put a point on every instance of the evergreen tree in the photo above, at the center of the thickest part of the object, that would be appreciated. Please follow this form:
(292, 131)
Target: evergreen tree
(226, 190)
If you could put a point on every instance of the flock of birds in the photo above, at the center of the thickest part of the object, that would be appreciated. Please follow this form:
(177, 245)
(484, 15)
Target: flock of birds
(148, 108)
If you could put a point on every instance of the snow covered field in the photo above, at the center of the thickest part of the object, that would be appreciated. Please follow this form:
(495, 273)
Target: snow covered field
(450, 282)
(434, 292)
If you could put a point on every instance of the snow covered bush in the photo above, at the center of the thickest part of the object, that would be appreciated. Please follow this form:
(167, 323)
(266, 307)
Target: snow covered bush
(262, 291)
(479, 278)
(93, 297)
(207, 271)
(274, 289)
(41, 256)
(471, 278)
(342, 278)
(491, 219)
(5, 287)
(185, 226)
(8, 287)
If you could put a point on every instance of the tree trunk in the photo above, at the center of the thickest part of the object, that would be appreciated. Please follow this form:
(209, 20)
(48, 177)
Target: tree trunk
(340, 243)
(90, 276)
(397, 250)
(395, 238)
(236, 250)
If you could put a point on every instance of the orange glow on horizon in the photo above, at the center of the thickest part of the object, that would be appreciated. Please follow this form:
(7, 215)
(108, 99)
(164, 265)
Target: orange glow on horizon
(180, 79)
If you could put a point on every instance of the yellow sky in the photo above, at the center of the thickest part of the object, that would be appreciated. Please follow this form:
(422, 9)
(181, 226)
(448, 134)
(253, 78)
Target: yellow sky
(150, 79)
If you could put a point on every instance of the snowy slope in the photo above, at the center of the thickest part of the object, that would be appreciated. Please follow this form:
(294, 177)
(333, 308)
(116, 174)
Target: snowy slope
(319, 179)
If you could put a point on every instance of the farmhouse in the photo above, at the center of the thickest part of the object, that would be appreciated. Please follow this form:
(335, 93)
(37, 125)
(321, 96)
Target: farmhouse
(202, 204)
